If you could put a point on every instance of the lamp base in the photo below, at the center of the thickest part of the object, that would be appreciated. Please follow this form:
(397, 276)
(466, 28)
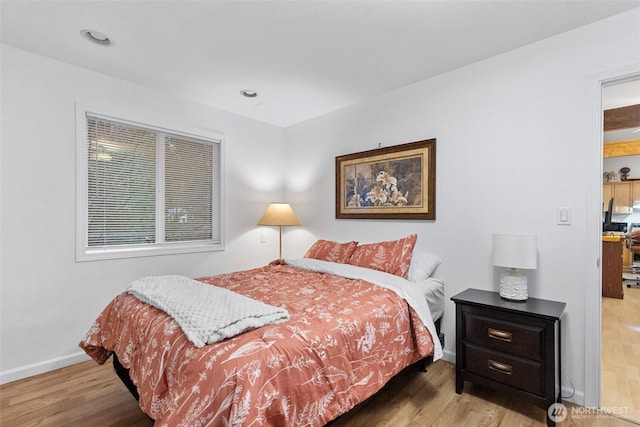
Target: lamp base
(513, 285)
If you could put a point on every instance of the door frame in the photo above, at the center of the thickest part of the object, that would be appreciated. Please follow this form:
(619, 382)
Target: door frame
(593, 224)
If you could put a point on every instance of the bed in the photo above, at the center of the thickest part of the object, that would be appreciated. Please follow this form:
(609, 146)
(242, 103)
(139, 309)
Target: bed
(350, 329)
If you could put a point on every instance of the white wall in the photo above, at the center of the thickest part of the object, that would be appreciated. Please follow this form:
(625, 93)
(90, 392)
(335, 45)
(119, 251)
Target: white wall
(512, 136)
(614, 164)
(48, 301)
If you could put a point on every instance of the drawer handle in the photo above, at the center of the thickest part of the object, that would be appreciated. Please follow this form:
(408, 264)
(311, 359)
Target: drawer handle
(500, 367)
(499, 335)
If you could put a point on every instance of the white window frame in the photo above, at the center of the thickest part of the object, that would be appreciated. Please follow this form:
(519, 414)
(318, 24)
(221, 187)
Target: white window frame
(173, 126)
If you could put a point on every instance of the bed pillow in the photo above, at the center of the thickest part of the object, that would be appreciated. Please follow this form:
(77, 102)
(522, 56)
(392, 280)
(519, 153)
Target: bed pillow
(391, 257)
(423, 264)
(327, 250)
(433, 291)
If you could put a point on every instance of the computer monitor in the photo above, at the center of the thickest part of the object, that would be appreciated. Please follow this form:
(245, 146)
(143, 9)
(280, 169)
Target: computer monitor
(606, 224)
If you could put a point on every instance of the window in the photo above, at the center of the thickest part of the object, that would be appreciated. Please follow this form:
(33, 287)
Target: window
(146, 190)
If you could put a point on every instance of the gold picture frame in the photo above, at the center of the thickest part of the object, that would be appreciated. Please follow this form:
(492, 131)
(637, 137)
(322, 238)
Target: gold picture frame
(397, 182)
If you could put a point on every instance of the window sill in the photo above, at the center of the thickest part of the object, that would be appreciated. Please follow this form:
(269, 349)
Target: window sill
(104, 253)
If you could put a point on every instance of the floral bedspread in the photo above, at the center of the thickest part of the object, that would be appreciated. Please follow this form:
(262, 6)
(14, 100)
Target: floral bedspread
(345, 340)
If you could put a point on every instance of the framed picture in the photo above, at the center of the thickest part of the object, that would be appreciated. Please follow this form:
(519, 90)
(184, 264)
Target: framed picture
(397, 182)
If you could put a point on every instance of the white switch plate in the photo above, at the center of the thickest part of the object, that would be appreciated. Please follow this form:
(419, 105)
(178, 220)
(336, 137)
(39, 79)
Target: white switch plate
(564, 216)
(263, 238)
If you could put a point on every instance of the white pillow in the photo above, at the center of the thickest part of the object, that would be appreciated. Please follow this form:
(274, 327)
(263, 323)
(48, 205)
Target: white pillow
(433, 290)
(423, 264)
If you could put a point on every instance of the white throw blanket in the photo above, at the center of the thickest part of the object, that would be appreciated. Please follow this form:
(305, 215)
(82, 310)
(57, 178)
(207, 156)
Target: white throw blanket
(206, 313)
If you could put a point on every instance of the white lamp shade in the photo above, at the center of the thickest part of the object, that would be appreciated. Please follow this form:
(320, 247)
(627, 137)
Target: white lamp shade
(279, 214)
(514, 251)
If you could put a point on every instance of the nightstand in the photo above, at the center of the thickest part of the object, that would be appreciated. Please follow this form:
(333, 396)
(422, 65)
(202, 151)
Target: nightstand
(510, 346)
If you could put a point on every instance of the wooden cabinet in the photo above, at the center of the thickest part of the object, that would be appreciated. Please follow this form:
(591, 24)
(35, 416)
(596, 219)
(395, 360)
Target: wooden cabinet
(607, 194)
(622, 197)
(627, 255)
(635, 190)
(612, 269)
(510, 346)
(623, 194)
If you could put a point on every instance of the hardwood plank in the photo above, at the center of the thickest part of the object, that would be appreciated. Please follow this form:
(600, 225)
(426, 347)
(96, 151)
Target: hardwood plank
(82, 394)
(88, 394)
(620, 380)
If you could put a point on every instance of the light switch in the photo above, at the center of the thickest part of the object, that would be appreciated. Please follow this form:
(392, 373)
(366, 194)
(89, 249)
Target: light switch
(564, 216)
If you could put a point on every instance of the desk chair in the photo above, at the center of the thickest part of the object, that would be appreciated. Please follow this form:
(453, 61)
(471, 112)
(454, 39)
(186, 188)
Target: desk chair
(632, 278)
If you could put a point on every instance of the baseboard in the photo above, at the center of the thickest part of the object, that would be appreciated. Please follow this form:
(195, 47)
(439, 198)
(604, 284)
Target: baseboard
(573, 396)
(449, 356)
(42, 367)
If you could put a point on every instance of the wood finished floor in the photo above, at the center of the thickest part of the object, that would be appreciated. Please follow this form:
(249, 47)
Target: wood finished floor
(87, 394)
(621, 353)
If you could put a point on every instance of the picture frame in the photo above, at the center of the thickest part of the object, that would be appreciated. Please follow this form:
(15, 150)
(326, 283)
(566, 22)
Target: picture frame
(397, 182)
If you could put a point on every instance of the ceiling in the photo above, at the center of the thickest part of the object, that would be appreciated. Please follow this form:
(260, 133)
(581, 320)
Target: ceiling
(305, 58)
(621, 94)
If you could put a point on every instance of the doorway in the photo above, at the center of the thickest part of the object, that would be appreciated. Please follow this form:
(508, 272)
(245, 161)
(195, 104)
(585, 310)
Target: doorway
(620, 317)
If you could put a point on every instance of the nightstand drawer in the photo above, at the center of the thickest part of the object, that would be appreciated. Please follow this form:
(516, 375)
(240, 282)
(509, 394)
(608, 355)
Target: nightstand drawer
(524, 374)
(513, 338)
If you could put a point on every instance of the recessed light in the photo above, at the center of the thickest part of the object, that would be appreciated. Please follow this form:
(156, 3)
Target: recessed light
(97, 37)
(249, 93)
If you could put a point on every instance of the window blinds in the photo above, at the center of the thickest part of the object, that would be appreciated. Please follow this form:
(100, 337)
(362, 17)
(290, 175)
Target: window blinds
(188, 190)
(150, 187)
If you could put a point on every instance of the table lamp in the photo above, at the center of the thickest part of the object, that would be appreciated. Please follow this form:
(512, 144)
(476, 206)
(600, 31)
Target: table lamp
(280, 215)
(514, 252)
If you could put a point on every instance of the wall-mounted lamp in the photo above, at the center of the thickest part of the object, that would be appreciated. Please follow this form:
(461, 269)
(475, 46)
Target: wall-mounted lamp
(280, 215)
(514, 252)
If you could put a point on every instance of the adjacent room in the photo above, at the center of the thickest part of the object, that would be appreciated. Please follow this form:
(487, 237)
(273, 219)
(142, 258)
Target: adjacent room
(400, 212)
(620, 254)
